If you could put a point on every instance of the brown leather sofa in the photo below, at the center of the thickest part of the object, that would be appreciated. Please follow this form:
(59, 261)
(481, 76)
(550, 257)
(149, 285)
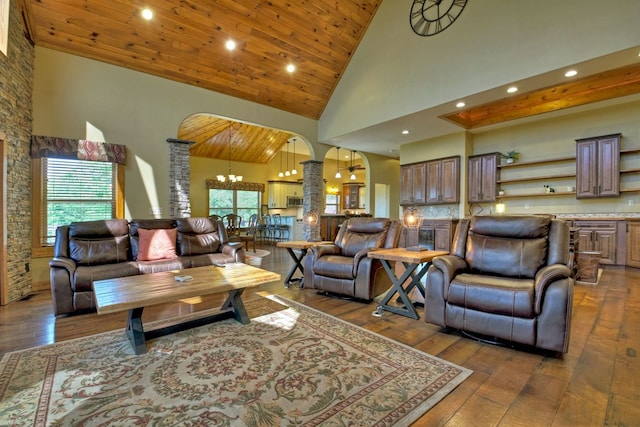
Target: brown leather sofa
(98, 250)
(506, 279)
(343, 267)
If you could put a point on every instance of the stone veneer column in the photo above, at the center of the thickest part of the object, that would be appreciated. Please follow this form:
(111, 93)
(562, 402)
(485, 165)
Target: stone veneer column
(179, 178)
(312, 188)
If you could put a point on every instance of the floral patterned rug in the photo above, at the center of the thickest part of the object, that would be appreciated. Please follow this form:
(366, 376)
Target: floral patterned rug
(290, 366)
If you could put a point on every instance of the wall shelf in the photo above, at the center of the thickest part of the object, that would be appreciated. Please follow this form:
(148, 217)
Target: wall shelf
(537, 178)
(538, 162)
(529, 195)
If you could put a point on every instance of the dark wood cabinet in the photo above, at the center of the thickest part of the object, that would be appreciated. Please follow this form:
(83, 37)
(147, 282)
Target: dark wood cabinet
(351, 194)
(329, 225)
(633, 243)
(412, 184)
(599, 236)
(443, 181)
(598, 167)
(443, 230)
(483, 175)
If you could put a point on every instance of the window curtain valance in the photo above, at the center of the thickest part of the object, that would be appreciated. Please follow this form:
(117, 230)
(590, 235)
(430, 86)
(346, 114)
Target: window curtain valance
(214, 184)
(77, 149)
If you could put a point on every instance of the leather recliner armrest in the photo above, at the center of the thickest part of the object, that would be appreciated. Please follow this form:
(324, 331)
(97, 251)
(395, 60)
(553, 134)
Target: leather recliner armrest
(358, 257)
(231, 248)
(449, 265)
(66, 263)
(322, 250)
(544, 277)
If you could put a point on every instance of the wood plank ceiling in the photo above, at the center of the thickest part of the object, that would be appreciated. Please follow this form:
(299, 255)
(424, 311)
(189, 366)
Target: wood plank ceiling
(185, 42)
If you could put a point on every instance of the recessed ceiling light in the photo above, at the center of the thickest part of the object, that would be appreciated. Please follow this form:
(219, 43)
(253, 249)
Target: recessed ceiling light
(460, 104)
(147, 14)
(230, 44)
(512, 89)
(291, 68)
(405, 132)
(570, 73)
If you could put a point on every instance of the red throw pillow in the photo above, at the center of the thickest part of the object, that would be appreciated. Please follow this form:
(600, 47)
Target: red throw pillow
(156, 244)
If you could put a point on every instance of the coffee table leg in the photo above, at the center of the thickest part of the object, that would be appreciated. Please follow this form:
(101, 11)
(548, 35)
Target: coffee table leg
(234, 303)
(135, 331)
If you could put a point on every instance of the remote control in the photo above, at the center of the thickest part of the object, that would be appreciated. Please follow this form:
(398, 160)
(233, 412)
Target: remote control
(183, 278)
(217, 264)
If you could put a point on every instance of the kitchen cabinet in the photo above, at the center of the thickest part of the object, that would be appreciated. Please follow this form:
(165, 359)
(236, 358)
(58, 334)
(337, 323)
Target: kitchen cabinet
(598, 167)
(280, 190)
(412, 184)
(329, 226)
(633, 243)
(443, 181)
(436, 234)
(351, 193)
(483, 174)
(599, 236)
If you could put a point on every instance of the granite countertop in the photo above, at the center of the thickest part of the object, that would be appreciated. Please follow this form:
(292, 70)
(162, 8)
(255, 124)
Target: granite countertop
(626, 216)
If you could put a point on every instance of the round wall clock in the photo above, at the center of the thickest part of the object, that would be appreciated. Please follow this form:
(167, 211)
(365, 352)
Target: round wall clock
(429, 17)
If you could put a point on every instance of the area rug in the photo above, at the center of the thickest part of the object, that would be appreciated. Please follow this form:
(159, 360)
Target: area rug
(291, 366)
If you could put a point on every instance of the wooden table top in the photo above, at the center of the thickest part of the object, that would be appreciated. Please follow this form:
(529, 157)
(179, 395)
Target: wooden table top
(301, 244)
(125, 293)
(404, 255)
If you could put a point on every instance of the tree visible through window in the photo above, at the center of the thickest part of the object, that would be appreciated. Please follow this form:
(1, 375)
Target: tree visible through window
(239, 202)
(76, 190)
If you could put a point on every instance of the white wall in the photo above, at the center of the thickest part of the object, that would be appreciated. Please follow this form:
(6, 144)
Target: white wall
(395, 72)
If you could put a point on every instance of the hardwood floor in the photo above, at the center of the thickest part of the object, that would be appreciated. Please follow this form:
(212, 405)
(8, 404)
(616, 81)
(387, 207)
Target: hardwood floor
(596, 384)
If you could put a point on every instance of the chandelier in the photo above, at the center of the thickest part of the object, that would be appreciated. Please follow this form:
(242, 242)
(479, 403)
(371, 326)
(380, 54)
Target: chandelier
(230, 177)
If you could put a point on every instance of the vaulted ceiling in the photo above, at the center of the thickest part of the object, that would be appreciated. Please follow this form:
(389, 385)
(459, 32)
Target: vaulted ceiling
(185, 42)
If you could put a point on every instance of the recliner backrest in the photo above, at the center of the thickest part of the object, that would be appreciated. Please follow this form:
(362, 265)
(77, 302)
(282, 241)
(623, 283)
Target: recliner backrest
(357, 234)
(198, 236)
(513, 246)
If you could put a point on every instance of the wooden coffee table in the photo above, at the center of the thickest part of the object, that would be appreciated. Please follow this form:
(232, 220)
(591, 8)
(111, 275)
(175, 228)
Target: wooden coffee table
(134, 293)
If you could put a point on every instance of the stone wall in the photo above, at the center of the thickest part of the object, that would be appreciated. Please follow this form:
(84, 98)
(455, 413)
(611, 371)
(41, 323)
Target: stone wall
(179, 178)
(16, 82)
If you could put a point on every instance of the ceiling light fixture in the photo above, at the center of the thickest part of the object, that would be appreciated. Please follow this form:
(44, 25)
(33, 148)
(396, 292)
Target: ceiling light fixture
(280, 174)
(287, 173)
(460, 104)
(353, 174)
(230, 44)
(338, 174)
(570, 73)
(230, 176)
(147, 14)
(512, 89)
(291, 68)
(405, 132)
(293, 169)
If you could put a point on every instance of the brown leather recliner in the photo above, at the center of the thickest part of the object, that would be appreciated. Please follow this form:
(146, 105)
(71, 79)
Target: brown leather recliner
(506, 278)
(343, 267)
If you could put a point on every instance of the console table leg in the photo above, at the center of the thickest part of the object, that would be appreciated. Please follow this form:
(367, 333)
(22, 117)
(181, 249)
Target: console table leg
(135, 331)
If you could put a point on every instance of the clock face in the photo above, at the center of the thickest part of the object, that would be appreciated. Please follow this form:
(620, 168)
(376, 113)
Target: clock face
(429, 17)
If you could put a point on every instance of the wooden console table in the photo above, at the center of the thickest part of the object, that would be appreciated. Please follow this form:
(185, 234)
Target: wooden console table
(411, 261)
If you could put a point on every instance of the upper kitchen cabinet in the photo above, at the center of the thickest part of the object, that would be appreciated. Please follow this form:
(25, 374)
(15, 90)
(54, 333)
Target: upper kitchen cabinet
(483, 174)
(351, 197)
(413, 184)
(598, 167)
(443, 181)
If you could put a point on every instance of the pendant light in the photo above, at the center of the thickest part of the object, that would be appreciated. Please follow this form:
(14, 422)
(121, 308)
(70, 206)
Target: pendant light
(338, 174)
(294, 171)
(353, 175)
(280, 174)
(287, 173)
(230, 176)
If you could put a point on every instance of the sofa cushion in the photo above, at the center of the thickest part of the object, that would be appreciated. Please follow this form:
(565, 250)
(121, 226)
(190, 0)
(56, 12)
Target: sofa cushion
(84, 276)
(147, 224)
(99, 251)
(337, 266)
(156, 244)
(491, 294)
(158, 266)
(197, 244)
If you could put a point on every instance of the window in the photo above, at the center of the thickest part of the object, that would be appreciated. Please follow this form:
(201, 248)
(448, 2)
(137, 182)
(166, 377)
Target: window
(74, 190)
(240, 202)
